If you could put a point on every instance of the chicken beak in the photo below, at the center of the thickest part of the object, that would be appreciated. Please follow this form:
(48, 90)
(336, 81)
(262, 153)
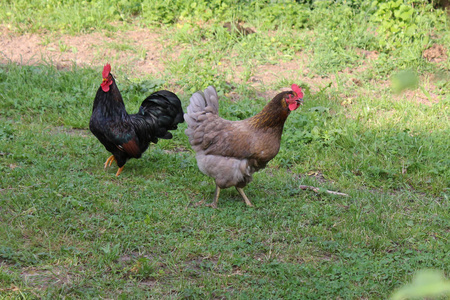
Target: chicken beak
(299, 101)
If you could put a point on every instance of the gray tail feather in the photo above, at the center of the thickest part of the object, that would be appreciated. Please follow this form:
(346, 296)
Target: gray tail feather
(200, 100)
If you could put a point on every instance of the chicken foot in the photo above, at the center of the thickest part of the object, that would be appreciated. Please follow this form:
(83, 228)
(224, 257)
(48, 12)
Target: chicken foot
(241, 191)
(109, 161)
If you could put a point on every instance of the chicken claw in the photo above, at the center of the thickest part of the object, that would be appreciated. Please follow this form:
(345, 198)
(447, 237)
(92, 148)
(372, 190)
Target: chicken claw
(109, 161)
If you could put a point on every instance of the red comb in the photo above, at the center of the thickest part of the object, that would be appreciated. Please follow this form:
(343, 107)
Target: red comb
(106, 70)
(297, 90)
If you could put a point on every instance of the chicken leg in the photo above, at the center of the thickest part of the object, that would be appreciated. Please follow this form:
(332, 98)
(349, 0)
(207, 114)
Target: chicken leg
(216, 198)
(119, 171)
(241, 191)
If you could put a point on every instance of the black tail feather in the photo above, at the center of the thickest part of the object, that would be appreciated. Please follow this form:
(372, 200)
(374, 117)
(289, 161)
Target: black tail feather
(161, 111)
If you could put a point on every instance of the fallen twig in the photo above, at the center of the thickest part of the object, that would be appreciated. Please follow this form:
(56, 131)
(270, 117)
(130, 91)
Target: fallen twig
(317, 190)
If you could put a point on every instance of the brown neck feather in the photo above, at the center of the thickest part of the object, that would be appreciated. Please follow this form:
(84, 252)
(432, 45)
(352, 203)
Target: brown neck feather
(274, 114)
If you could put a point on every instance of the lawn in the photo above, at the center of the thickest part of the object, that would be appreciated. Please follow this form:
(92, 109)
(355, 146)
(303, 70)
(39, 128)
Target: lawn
(374, 125)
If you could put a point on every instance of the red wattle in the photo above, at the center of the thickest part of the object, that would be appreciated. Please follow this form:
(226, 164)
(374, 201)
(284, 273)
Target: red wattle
(105, 86)
(293, 106)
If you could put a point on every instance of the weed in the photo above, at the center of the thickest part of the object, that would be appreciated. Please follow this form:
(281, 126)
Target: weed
(62, 46)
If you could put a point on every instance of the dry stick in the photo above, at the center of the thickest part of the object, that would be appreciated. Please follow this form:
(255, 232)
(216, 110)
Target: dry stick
(317, 190)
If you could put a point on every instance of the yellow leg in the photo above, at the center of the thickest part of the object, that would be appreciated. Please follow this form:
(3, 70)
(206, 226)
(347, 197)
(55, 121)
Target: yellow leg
(241, 191)
(216, 198)
(119, 171)
(109, 161)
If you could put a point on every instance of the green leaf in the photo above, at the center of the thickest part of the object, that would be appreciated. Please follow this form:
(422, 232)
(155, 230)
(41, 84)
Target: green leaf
(411, 30)
(426, 283)
(406, 15)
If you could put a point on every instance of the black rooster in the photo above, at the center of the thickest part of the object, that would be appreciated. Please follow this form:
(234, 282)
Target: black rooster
(128, 136)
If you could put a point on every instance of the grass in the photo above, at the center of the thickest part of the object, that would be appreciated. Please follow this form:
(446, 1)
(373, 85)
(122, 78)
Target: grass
(68, 228)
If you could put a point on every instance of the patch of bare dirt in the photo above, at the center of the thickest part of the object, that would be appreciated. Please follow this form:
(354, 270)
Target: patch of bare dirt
(41, 278)
(317, 175)
(368, 54)
(268, 74)
(140, 50)
(70, 131)
(436, 53)
(417, 96)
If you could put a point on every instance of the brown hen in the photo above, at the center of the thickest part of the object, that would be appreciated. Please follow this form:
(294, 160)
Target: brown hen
(231, 151)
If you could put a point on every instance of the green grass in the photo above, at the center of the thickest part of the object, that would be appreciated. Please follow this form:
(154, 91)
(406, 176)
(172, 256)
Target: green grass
(68, 228)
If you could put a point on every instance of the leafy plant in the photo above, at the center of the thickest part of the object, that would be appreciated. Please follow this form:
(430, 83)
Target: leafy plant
(400, 22)
(396, 23)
